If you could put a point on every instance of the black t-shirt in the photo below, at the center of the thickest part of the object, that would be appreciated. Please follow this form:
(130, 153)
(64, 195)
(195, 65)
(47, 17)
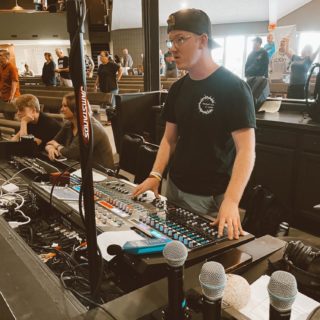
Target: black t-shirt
(206, 113)
(62, 64)
(48, 74)
(108, 76)
(257, 64)
(45, 129)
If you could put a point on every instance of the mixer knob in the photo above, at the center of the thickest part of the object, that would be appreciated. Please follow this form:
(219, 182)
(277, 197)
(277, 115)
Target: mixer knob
(176, 235)
(157, 225)
(152, 222)
(186, 241)
(170, 232)
(191, 244)
(165, 229)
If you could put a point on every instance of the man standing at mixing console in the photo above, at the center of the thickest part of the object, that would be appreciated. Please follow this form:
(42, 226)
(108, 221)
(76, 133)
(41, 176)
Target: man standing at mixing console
(209, 132)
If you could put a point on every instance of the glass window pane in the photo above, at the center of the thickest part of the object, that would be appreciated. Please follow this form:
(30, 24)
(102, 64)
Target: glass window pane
(217, 54)
(309, 38)
(234, 54)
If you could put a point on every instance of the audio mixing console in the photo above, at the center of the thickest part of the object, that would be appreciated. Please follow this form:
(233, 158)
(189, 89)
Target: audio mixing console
(152, 217)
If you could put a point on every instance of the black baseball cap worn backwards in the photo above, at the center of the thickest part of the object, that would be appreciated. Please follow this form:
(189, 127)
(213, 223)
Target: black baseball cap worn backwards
(192, 20)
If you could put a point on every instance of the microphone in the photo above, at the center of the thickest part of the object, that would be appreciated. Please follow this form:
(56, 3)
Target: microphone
(175, 254)
(213, 281)
(282, 290)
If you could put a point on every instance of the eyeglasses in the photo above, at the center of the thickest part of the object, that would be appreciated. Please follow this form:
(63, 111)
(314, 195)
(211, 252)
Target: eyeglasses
(177, 42)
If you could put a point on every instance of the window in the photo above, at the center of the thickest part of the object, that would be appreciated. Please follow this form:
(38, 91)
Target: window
(234, 54)
(309, 38)
(217, 53)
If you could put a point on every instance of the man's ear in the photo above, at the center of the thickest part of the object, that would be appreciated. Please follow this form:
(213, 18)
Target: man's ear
(203, 41)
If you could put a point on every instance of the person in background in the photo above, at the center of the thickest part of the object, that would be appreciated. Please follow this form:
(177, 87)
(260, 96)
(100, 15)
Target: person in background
(89, 64)
(209, 134)
(48, 70)
(258, 61)
(127, 61)
(66, 142)
(63, 68)
(300, 66)
(9, 83)
(117, 60)
(280, 62)
(27, 71)
(162, 63)
(109, 73)
(171, 66)
(33, 121)
(270, 46)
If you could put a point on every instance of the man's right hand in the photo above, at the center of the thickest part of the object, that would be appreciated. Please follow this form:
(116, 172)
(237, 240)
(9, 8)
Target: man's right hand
(27, 119)
(148, 184)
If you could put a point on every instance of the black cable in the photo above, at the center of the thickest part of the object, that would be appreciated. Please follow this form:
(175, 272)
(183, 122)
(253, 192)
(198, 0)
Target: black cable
(86, 299)
(306, 87)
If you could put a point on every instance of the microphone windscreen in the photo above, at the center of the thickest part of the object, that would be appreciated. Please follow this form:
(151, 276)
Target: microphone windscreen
(175, 253)
(114, 249)
(282, 290)
(237, 292)
(212, 280)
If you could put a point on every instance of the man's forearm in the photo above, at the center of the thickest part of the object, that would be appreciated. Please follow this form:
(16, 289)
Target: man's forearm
(241, 172)
(23, 129)
(165, 151)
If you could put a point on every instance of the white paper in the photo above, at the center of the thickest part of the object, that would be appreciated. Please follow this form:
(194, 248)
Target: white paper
(271, 106)
(258, 306)
(97, 177)
(107, 238)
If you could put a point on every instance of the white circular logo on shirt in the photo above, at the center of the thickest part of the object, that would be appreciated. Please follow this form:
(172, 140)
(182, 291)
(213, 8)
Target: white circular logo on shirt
(206, 105)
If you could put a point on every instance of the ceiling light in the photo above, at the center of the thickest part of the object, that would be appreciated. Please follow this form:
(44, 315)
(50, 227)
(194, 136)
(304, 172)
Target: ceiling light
(184, 5)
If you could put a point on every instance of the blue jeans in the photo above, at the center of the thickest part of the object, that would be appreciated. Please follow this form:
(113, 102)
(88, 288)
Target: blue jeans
(114, 92)
(196, 203)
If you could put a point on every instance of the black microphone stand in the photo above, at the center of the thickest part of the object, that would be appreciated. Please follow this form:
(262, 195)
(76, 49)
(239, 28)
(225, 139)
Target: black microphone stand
(76, 12)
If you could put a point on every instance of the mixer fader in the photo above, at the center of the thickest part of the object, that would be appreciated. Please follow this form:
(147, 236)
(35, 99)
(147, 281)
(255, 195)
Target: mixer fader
(193, 230)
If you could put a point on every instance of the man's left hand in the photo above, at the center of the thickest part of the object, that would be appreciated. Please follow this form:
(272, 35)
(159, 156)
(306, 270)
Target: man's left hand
(229, 215)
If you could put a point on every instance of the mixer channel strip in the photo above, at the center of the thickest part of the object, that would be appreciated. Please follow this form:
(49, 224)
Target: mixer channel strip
(189, 228)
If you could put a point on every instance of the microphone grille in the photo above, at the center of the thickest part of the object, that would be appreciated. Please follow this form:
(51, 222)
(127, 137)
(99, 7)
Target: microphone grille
(282, 290)
(175, 253)
(212, 280)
